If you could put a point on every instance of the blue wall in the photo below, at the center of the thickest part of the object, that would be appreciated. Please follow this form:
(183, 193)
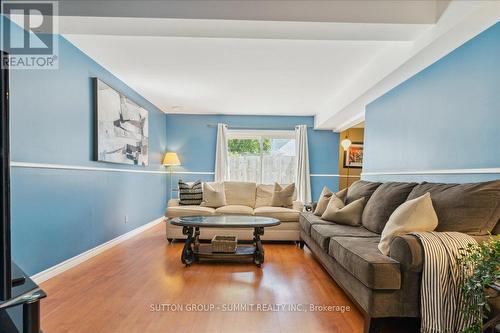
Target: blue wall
(445, 117)
(57, 214)
(195, 143)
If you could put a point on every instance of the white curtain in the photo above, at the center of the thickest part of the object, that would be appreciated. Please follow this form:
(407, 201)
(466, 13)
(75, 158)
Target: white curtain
(302, 178)
(221, 161)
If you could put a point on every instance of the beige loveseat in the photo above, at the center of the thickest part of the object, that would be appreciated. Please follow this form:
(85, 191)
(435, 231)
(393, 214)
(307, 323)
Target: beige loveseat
(242, 198)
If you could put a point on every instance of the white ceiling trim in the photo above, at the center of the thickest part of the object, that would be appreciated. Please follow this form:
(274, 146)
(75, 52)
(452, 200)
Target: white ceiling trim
(160, 27)
(358, 11)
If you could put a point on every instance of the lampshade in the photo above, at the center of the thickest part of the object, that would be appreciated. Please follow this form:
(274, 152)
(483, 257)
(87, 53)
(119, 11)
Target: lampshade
(346, 143)
(170, 159)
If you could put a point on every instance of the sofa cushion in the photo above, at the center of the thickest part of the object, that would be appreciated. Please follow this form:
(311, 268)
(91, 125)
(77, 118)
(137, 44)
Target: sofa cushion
(281, 213)
(177, 211)
(413, 215)
(323, 200)
(361, 257)
(190, 193)
(283, 196)
(308, 219)
(347, 215)
(264, 195)
(240, 193)
(342, 194)
(386, 198)
(360, 189)
(321, 233)
(213, 195)
(472, 208)
(234, 209)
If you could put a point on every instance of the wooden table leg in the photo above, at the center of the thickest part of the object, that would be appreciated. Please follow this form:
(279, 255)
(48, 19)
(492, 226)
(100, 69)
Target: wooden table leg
(196, 239)
(258, 257)
(187, 256)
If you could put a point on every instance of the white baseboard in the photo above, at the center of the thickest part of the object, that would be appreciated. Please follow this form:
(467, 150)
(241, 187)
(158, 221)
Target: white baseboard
(72, 262)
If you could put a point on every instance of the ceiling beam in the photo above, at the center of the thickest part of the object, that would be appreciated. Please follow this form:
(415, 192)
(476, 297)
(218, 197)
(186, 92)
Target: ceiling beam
(157, 27)
(461, 21)
(347, 11)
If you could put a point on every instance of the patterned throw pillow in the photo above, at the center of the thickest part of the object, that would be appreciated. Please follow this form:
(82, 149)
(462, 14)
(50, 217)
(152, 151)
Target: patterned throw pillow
(190, 194)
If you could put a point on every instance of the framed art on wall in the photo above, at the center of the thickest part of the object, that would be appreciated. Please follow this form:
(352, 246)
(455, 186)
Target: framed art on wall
(121, 127)
(353, 156)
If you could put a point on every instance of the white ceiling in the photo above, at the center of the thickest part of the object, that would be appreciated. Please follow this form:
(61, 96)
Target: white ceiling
(232, 76)
(326, 59)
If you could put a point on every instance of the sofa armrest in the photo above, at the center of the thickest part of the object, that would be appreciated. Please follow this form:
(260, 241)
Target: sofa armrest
(408, 251)
(173, 203)
(298, 205)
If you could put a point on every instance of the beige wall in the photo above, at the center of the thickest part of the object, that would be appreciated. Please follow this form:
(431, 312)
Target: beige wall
(355, 135)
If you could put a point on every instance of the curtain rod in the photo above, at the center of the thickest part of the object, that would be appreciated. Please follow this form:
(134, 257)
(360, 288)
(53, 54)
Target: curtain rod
(259, 127)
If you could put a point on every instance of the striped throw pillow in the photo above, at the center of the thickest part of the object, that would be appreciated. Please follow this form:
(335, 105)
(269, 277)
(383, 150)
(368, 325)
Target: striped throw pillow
(190, 193)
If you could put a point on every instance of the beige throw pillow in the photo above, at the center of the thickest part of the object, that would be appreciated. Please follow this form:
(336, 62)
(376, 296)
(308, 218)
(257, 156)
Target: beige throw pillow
(342, 194)
(413, 215)
(213, 195)
(283, 197)
(339, 213)
(264, 195)
(324, 199)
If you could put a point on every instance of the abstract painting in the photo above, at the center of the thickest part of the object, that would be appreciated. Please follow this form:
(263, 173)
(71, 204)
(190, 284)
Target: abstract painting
(121, 127)
(353, 157)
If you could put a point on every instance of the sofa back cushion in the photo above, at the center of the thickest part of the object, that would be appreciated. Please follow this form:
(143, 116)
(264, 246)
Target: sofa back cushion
(264, 195)
(360, 189)
(472, 208)
(386, 198)
(240, 193)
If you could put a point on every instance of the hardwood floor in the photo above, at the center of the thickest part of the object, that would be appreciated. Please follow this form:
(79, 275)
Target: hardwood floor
(115, 292)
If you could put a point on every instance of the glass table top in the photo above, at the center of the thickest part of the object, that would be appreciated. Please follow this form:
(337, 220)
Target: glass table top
(225, 221)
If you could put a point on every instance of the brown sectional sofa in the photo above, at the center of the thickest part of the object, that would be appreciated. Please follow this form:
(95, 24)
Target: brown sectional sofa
(389, 286)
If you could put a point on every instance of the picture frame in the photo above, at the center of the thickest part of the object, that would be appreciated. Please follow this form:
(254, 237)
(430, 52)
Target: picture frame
(120, 127)
(353, 156)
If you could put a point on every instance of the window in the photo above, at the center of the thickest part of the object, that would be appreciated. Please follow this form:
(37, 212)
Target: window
(263, 157)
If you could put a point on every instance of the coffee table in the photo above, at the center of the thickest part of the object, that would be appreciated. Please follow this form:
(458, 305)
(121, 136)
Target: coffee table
(194, 251)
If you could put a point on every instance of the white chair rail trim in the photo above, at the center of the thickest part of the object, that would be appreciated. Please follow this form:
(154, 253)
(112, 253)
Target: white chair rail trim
(78, 167)
(16, 164)
(435, 172)
(89, 168)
